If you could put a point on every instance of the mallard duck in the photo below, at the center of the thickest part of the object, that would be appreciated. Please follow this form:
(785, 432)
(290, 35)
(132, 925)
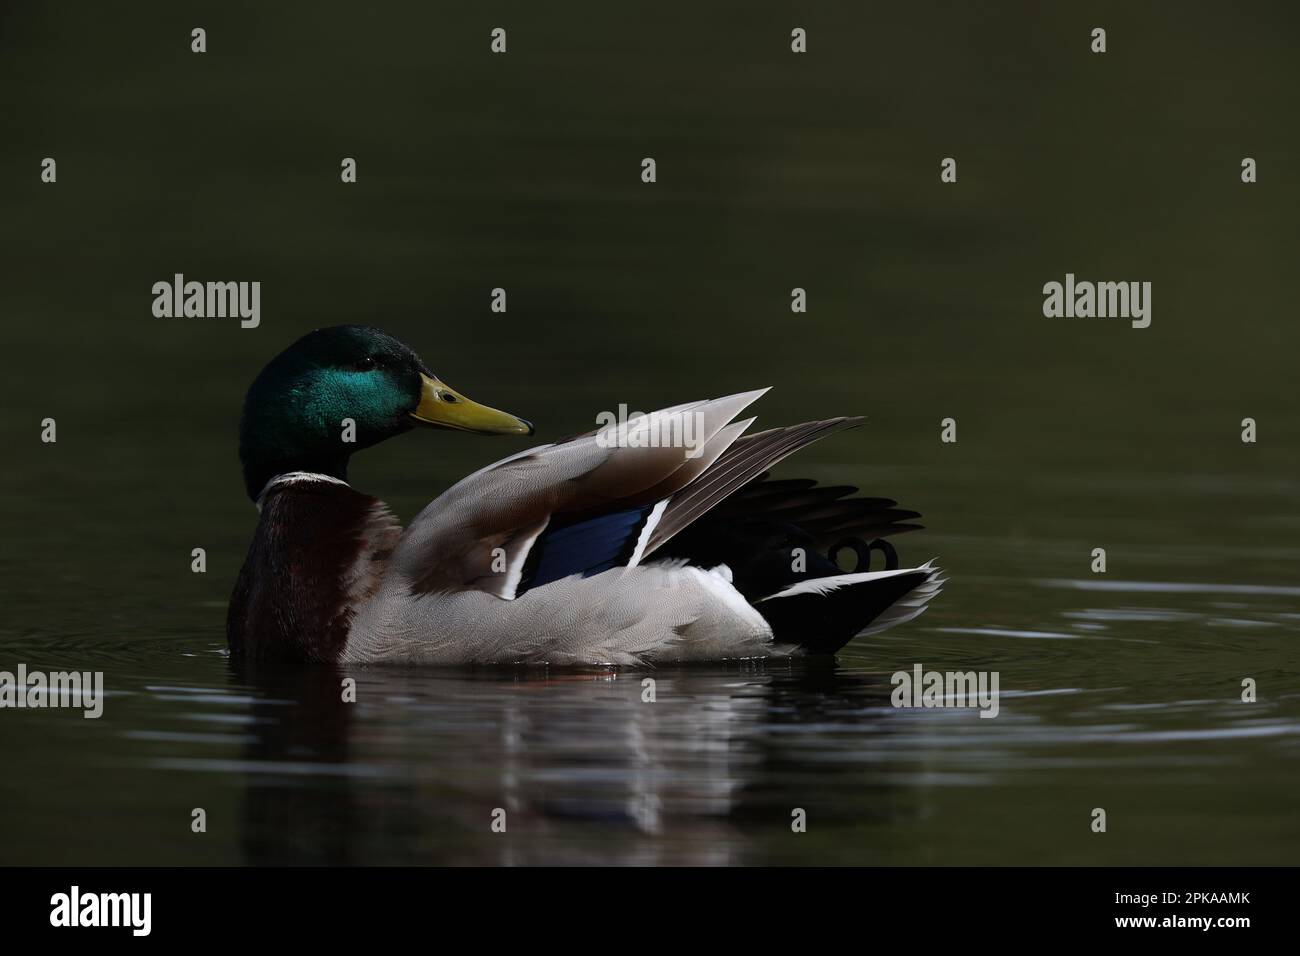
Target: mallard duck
(652, 540)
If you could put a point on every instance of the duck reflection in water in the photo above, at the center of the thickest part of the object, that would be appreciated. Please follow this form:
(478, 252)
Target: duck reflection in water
(680, 766)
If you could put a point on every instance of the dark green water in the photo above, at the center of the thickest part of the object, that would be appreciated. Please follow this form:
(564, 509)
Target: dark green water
(1119, 691)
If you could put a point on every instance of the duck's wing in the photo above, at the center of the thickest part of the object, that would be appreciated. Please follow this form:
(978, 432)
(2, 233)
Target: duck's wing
(797, 510)
(575, 507)
(743, 462)
(612, 498)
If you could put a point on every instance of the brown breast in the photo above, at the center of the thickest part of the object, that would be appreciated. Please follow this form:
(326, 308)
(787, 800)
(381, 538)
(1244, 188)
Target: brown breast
(320, 549)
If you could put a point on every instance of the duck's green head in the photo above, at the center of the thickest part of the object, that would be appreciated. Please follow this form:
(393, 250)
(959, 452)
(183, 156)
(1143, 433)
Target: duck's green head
(297, 413)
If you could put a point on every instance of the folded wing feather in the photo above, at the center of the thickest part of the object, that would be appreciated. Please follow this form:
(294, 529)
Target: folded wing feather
(479, 534)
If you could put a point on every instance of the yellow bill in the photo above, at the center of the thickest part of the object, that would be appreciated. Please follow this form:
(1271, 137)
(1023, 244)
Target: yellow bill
(443, 407)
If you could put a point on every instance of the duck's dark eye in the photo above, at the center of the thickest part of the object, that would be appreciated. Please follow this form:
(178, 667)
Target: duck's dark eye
(365, 364)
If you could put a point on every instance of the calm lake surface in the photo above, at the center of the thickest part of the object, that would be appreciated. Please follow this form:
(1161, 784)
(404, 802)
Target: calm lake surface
(1119, 690)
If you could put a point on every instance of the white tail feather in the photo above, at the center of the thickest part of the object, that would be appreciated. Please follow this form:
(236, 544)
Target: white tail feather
(836, 581)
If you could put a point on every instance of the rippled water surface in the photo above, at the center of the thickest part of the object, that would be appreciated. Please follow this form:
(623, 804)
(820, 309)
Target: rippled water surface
(1119, 691)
